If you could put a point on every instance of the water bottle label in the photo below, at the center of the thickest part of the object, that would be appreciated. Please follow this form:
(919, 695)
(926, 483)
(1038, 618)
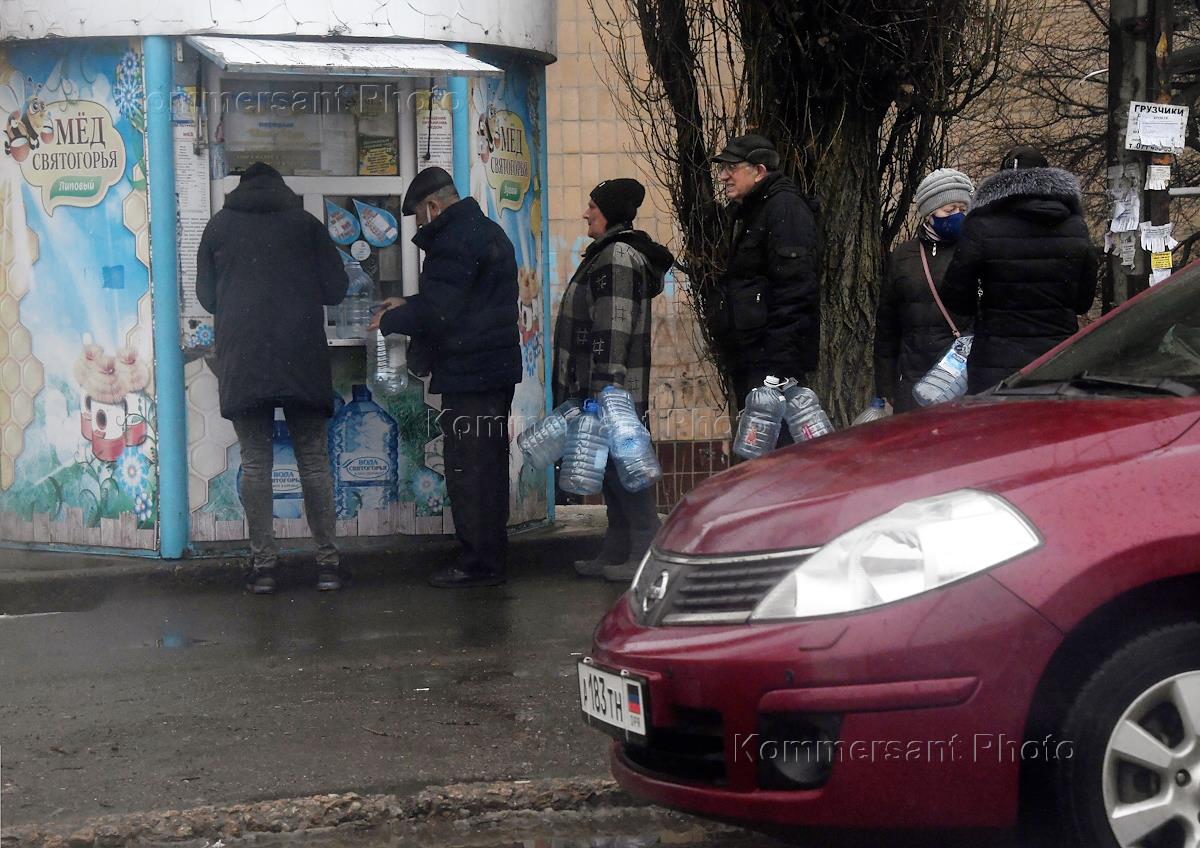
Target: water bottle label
(285, 481)
(365, 468)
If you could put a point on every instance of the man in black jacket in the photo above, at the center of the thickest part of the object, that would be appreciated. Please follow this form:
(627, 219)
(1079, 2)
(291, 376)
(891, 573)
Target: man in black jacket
(466, 318)
(766, 318)
(1025, 246)
(264, 269)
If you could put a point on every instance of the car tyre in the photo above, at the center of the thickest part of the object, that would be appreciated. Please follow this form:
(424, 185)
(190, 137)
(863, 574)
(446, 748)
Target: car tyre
(1129, 772)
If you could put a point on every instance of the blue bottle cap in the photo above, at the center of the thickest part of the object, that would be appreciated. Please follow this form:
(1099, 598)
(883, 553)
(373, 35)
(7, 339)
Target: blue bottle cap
(591, 407)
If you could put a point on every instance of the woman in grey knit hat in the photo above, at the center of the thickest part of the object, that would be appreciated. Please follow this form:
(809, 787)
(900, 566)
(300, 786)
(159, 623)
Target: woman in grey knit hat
(911, 331)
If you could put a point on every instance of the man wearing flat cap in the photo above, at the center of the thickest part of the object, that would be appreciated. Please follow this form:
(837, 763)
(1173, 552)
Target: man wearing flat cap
(766, 315)
(465, 317)
(602, 338)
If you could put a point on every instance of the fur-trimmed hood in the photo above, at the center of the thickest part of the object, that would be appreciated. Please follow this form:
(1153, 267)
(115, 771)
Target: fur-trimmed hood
(1040, 192)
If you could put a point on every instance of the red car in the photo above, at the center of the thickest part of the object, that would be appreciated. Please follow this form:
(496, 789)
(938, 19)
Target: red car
(970, 616)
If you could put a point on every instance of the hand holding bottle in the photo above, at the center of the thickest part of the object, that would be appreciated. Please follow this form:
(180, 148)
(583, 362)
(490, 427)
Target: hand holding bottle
(381, 308)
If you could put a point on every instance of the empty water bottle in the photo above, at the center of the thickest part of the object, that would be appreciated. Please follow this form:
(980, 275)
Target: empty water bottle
(948, 379)
(389, 363)
(629, 441)
(586, 453)
(805, 417)
(543, 442)
(758, 430)
(875, 410)
(354, 312)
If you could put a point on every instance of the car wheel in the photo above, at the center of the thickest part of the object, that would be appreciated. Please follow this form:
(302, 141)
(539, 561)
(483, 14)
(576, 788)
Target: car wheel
(1129, 771)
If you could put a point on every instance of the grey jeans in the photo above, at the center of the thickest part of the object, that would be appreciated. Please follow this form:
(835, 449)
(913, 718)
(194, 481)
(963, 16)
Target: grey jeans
(309, 441)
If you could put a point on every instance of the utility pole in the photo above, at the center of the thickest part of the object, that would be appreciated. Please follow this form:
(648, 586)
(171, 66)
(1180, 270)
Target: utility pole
(1129, 59)
(1158, 202)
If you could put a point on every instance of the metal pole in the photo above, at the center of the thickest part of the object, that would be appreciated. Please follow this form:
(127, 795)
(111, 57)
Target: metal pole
(171, 404)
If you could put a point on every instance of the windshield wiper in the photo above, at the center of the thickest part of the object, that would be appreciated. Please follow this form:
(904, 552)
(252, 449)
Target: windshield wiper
(1156, 386)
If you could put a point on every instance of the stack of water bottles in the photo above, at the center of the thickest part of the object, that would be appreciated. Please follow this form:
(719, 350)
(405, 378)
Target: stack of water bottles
(353, 314)
(768, 406)
(947, 380)
(584, 438)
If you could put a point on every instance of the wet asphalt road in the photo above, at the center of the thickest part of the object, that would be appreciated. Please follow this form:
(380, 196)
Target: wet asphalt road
(142, 696)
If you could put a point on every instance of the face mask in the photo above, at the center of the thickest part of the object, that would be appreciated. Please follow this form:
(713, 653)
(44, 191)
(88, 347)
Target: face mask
(948, 228)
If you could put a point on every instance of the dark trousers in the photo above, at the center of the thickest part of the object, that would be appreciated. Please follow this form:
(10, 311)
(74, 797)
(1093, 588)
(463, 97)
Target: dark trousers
(744, 381)
(632, 519)
(475, 425)
(309, 434)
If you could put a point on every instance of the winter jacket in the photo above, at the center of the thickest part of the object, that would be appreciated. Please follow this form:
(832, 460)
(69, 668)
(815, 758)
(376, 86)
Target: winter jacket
(1025, 246)
(911, 333)
(264, 269)
(602, 335)
(466, 312)
(766, 311)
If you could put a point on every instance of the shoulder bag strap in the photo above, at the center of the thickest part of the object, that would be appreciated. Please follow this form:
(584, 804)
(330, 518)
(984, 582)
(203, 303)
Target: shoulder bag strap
(933, 289)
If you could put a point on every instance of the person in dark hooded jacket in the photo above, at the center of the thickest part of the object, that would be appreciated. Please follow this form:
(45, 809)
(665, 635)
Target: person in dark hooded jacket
(911, 331)
(265, 269)
(602, 338)
(1024, 265)
(765, 315)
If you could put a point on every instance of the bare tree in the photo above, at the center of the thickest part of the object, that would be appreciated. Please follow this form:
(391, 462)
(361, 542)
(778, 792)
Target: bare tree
(857, 94)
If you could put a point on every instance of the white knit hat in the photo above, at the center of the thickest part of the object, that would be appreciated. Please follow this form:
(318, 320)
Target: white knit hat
(945, 185)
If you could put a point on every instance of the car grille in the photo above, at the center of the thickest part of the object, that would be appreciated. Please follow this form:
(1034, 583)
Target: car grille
(709, 590)
(692, 750)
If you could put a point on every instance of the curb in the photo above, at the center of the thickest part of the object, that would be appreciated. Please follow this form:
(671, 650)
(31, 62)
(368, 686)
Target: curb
(234, 821)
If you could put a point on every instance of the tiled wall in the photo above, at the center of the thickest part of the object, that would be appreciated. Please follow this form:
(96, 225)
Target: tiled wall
(588, 141)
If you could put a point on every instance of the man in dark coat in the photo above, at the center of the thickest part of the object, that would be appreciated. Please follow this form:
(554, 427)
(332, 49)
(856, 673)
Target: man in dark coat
(766, 316)
(911, 333)
(265, 269)
(466, 319)
(1025, 247)
(602, 338)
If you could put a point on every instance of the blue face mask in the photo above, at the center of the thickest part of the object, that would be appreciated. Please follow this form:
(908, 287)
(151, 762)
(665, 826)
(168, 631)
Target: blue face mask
(948, 228)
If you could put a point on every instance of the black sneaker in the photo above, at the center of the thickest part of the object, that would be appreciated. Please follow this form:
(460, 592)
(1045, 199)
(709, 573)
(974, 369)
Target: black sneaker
(453, 577)
(261, 581)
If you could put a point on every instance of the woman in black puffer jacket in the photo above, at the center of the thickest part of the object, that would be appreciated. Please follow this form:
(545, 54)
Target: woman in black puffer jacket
(1025, 261)
(911, 333)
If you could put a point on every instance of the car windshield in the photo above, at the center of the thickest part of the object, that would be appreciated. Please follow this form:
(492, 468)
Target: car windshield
(1156, 338)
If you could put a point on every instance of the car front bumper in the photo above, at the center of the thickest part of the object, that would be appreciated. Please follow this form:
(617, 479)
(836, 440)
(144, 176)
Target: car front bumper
(918, 710)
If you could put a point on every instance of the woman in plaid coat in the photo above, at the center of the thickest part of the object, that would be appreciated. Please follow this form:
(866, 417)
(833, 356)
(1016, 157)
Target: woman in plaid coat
(602, 338)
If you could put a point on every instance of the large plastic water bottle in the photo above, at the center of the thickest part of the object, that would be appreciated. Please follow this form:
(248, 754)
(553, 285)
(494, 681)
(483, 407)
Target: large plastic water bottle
(544, 441)
(758, 430)
(948, 379)
(629, 441)
(354, 312)
(363, 447)
(586, 453)
(388, 358)
(805, 417)
(875, 410)
(287, 495)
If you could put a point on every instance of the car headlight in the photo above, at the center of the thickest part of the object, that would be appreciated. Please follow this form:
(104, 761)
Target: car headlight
(916, 547)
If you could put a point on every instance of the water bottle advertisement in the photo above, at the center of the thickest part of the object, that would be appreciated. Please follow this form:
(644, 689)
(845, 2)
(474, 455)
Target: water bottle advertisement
(78, 424)
(506, 119)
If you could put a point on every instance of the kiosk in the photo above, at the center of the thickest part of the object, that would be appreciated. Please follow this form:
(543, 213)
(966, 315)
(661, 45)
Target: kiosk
(124, 132)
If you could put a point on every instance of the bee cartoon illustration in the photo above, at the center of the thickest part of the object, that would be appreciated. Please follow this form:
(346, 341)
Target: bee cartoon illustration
(28, 126)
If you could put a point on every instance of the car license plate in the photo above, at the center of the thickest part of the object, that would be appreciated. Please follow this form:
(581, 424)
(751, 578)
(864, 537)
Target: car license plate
(616, 703)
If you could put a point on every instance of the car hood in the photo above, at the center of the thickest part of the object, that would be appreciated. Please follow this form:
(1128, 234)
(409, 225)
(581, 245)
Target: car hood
(807, 494)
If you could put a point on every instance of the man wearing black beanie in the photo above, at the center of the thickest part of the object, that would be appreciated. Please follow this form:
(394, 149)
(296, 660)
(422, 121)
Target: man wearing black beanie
(602, 338)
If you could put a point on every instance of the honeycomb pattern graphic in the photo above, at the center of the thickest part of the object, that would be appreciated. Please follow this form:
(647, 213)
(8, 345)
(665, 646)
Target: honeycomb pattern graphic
(21, 374)
(137, 221)
(209, 435)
